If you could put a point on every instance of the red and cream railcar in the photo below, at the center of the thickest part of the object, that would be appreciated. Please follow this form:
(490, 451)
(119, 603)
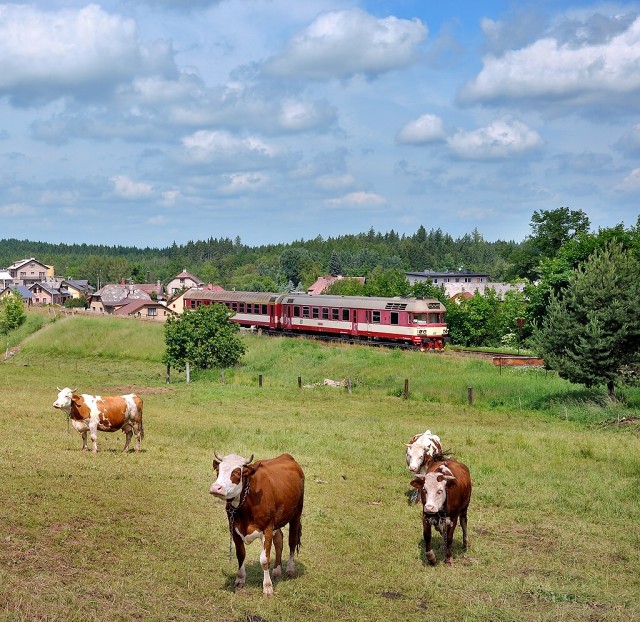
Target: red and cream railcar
(259, 309)
(417, 321)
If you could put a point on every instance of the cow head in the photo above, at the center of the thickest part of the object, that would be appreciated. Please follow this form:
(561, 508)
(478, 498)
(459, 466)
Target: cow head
(434, 485)
(421, 449)
(231, 470)
(65, 397)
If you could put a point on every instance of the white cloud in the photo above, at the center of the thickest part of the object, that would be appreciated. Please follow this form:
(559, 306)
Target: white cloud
(335, 182)
(82, 53)
(206, 146)
(357, 199)
(157, 221)
(341, 44)
(585, 72)
(126, 188)
(425, 129)
(239, 183)
(15, 210)
(631, 183)
(498, 140)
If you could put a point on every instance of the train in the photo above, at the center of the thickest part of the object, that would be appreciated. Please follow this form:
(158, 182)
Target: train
(411, 322)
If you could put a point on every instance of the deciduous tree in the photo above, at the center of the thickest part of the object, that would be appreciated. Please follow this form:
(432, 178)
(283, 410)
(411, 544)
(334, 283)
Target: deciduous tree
(204, 338)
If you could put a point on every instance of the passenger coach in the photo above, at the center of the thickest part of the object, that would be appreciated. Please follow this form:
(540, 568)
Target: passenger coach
(416, 321)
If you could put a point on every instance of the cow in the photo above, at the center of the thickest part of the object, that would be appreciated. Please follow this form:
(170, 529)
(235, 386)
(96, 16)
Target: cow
(445, 491)
(421, 449)
(261, 498)
(90, 413)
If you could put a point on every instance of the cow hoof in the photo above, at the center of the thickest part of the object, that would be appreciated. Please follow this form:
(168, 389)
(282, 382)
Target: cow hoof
(268, 591)
(449, 561)
(239, 584)
(277, 571)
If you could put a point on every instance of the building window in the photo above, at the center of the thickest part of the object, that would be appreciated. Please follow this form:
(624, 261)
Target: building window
(152, 312)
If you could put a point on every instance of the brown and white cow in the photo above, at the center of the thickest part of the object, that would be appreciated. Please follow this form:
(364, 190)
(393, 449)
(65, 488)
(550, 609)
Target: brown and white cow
(262, 497)
(421, 449)
(445, 490)
(90, 413)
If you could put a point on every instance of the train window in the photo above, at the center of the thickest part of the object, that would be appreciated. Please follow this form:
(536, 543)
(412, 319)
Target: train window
(305, 311)
(241, 307)
(296, 311)
(335, 314)
(192, 304)
(394, 317)
(325, 313)
(315, 312)
(375, 317)
(434, 318)
(345, 315)
(419, 318)
(234, 306)
(265, 310)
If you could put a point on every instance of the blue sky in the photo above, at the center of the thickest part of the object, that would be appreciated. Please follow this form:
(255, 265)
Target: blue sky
(148, 122)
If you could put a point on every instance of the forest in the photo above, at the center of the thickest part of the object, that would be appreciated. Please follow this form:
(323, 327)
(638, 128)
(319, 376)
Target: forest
(560, 242)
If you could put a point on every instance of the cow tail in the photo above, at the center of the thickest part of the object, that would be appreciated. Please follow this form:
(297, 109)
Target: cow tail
(140, 410)
(299, 542)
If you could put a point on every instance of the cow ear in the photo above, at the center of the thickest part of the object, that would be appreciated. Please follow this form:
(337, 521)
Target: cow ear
(248, 470)
(418, 481)
(215, 464)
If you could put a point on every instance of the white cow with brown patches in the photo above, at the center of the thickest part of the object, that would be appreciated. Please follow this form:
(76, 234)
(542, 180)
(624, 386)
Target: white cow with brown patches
(90, 413)
(421, 450)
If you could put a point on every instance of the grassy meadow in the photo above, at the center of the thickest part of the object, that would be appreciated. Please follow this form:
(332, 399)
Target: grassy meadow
(554, 521)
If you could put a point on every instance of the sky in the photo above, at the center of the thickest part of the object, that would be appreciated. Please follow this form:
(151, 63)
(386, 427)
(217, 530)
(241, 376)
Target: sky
(147, 122)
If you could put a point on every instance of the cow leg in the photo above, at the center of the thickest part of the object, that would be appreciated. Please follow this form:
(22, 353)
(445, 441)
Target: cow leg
(278, 540)
(84, 441)
(129, 434)
(447, 540)
(463, 525)
(93, 435)
(240, 555)
(426, 533)
(267, 585)
(137, 430)
(295, 534)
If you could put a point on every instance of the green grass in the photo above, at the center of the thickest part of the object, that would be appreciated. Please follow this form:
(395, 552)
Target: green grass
(553, 521)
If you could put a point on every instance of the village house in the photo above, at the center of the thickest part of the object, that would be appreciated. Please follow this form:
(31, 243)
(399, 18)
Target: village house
(29, 271)
(21, 290)
(183, 281)
(144, 309)
(462, 283)
(176, 303)
(49, 293)
(323, 282)
(111, 297)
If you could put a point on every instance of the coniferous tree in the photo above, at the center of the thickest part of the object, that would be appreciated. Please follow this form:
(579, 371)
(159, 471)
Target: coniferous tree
(592, 327)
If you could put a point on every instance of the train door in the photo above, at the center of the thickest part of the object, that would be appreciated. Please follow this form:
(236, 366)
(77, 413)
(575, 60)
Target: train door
(286, 317)
(354, 322)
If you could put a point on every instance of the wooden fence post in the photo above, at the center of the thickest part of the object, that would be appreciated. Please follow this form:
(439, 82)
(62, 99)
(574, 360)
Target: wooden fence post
(349, 385)
(406, 388)
(168, 376)
(299, 382)
(260, 380)
(188, 373)
(470, 396)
